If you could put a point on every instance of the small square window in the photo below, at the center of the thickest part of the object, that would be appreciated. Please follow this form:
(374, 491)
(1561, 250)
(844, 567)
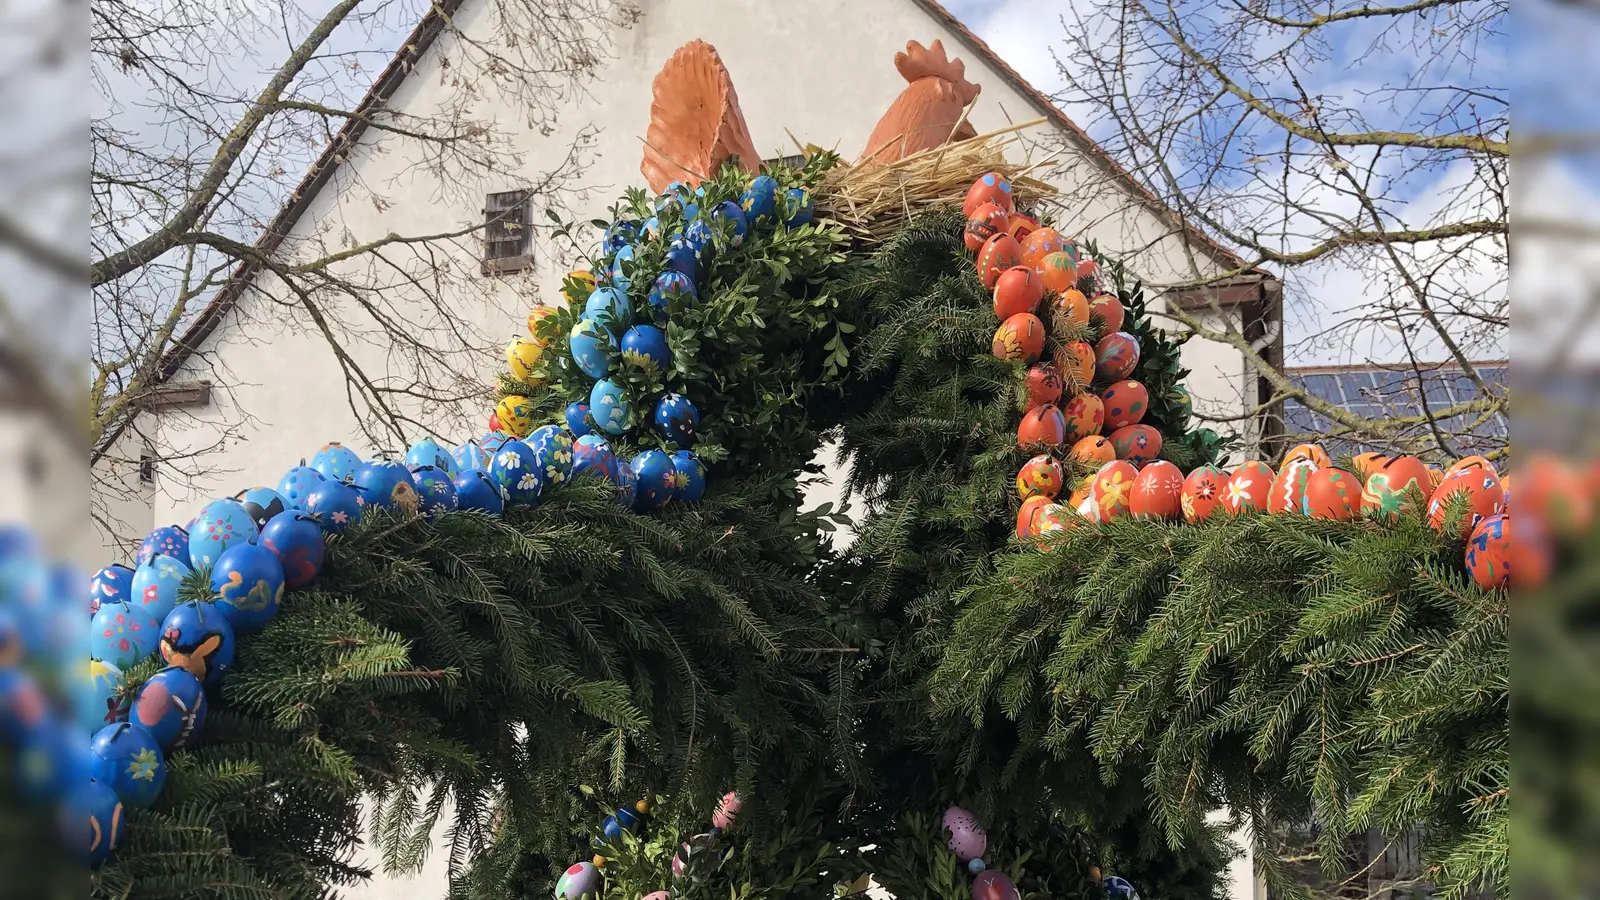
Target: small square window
(147, 469)
(507, 233)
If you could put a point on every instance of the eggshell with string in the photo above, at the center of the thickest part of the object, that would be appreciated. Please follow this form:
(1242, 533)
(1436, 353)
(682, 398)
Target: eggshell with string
(122, 634)
(335, 505)
(1126, 403)
(689, 477)
(985, 222)
(1019, 339)
(1040, 476)
(1470, 462)
(1289, 488)
(991, 187)
(1332, 494)
(1202, 494)
(1057, 271)
(168, 540)
(296, 540)
(993, 884)
(335, 461)
(621, 268)
(998, 254)
(1042, 385)
(609, 308)
(1116, 356)
(760, 200)
(1085, 416)
(1041, 426)
(224, 523)
(592, 454)
(1488, 557)
(797, 208)
(93, 819)
(1028, 515)
(247, 582)
(197, 638)
(1017, 291)
(577, 418)
(1112, 489)
(1485, 497)
(111, 584)
(1076, 361)
(1137, 444)
(1094, 450)
(516, 415)
(1157, 491)
(1249, 487)
(475, 490)
(171, 705)
(1039, 243)
(1398, 487)
(1106, 311)
(1367, 463)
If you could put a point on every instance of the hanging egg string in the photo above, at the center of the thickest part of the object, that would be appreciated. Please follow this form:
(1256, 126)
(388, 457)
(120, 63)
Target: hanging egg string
(968, 841)
(584, 880)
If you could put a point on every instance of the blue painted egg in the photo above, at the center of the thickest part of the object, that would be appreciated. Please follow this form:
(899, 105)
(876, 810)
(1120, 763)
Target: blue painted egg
(590, 345)
(171, 706)
(97, 694)
(297, 483)
(645, 346)
(628, 818)
(681, 257)
(1118, 888)
(23, 706)
(436, 493)
(656, 479)
(652, 226)
(797, 207)
(127, 757)
(168, 539)
(295, 540)
(610, 828)
(428, 452)
(43, 761)
(335, 461)
(469, 456)
(27, 587)
(475, 490)
(627, 484)
(122, 635)
(760, 199)
(581, 881)
(689, 481)
(387, 484)
(622, 233)
(609, 307)
(677, 420)
(698, 235)
(156, 584)
(112, 584)
(552, 452)
(262, 503)
(94, 821)
(609, 406)
(669, 285)
(197, 638)
(733, 213)
(619, 273)
(577, 416)
(335, 505)
(492, 442)
(593, 453)
(516, 471)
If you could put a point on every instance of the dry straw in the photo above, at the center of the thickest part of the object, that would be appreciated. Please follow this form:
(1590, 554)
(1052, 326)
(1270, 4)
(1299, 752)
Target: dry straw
(874, 201)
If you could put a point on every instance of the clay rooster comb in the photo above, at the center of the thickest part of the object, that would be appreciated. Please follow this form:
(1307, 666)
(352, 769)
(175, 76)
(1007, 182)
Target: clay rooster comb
(695, 120)
(926, 112)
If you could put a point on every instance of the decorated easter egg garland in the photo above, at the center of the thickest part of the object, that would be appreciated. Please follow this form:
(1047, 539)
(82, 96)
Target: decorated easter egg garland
(968, 841)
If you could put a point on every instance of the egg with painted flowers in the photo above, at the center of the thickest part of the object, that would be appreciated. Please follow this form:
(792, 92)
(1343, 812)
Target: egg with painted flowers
(335, 505)
(1484, 497)
(645, 347)
(592, 454)
(1094, 450)
(1157, 491)
(1398, 487)
(1112, 489)
(1041, 426)
(388, 484)
(760, 200)
(1126, 403)
(1054, 519)
(515, 470)
(1332, 494)
(1041, 476)
(998, 254)
(1202, 494)
(689, 476)
(436, 492)
(1106, 311)
(1075, 359)
(1249, 487)
(1289, 488)
(1042, 385)
(155, 585)
(1016, 291)
(590, 346)
(1116, 356)
(552, 452)
(1137, 444)
(429, 452)
(1039, 243)
(677, 420)
(576, 416)
(1028, 516)
(656, 482)
(1019, 339)
(224, 523)
(1085, 416)
(296, 540)
(122, 634)
(516, 416)
(991, 187)
(335, 461)
(1057, 271)
(985, 222)
(168, 540)
(1489, 552)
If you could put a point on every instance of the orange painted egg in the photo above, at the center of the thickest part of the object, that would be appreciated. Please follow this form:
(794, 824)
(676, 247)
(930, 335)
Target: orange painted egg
(991, 187)
(1137, 444)
(1080, 495)
(1308, 451)
(1116, 356)
(1041, 476)
(1020, 225)
(1202, 493)
(1489, 552)
(1076, 360)
(985, 222)
(1019, 339)
(1112, 491)
(999, 253)
(1532, 557)
(1398, 486)
(1041, 426)
(1157, 491)
(1072, 306)
(1058, 271)
(1085, 415)
(1107, 309)
(1043, 384)
(534, 318)
(1470, 462)
(1289, 488)
(1087, 268)
(1041, 242)
(1248, 487)
(1028, 515)
(1094, 450)
(1332, 494)
(1435, 478)
(1550, 493)
(1017, 290)
(1485, 496)
(1055, 517)
(1367, 463)
(1126, 403)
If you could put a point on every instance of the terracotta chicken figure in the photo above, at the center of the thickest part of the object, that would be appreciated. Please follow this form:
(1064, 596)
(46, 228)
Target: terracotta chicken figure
(695, 120)
(925, 113)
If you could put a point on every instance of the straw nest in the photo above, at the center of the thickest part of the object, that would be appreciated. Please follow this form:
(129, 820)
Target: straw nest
(874, 201)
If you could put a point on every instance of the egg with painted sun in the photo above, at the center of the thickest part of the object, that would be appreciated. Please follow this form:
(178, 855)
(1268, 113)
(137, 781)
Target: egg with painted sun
(1202, 494)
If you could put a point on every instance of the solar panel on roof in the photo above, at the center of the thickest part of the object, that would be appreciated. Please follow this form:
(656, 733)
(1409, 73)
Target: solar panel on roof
(1384, 394)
